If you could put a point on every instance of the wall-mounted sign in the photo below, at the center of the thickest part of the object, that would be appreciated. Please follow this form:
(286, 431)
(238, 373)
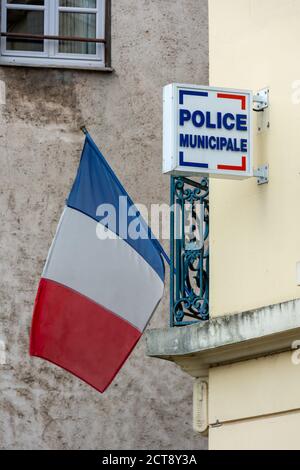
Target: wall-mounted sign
(207, 130)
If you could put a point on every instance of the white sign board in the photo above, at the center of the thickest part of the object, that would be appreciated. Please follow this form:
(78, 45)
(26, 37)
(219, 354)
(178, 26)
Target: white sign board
(207, 130)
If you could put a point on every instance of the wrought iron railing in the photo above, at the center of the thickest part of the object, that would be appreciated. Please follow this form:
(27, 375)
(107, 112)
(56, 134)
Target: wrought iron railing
(189, 273)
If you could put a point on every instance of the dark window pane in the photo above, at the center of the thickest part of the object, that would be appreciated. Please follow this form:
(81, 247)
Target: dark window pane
(27, 2)
(28, 22)
(81, 25)
(78, 3)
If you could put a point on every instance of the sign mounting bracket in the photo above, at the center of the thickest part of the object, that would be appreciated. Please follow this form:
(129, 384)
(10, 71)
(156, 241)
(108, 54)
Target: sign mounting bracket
(261, 100)
(262, 174)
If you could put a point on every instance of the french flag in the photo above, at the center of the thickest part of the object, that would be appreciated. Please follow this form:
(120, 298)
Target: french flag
(99, 288)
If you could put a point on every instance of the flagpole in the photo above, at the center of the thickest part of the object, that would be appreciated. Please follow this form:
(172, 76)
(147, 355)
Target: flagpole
(155, 241)
(84, 130)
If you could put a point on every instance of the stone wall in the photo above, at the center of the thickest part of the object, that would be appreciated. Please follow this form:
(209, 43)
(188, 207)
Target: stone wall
(148, 406)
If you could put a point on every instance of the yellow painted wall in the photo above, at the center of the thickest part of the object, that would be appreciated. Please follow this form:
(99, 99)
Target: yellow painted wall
(257, 404)
(255, 230)
(279, 432)
(255, 388)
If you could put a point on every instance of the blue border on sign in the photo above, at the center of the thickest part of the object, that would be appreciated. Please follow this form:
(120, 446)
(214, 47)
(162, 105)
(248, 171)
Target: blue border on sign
(183, 93)
(183, 163)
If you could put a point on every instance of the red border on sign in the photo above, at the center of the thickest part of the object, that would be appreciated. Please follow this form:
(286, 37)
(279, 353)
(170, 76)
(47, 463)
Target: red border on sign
(234, 97)
(234, 167)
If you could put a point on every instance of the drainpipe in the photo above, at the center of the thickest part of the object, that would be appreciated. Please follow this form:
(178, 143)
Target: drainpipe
(200, 406)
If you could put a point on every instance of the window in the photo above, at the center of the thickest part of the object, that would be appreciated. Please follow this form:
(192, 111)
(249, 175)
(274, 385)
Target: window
(58, 33)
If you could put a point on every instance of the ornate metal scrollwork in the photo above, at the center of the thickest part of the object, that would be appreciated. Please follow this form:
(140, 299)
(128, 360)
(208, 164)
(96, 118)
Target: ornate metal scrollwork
(189, 279)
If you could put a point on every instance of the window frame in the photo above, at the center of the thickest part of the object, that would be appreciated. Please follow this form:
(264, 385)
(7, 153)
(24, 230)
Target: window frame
(51, 57)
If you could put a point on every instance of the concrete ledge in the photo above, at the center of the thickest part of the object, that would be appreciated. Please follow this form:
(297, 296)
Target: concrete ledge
(228, 339)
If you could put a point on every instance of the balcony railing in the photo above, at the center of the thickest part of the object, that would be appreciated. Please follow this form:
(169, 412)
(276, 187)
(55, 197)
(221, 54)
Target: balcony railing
(189, 274)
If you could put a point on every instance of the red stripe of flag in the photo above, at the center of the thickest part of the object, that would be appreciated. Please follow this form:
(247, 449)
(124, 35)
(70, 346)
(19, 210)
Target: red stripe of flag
(79, 335)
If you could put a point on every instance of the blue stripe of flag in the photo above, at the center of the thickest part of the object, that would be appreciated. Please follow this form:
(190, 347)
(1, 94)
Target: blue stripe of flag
(97, 184)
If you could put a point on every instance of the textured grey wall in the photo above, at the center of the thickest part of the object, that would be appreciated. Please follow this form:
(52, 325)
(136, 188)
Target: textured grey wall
(149, 405)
